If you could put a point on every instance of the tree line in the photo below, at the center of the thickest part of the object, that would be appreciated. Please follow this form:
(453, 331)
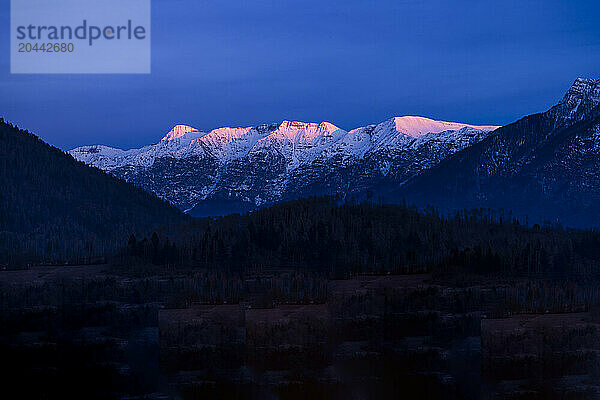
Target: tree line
(336, 236)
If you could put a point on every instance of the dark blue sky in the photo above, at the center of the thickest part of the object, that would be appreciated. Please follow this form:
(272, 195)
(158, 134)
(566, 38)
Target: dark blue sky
(352, 63)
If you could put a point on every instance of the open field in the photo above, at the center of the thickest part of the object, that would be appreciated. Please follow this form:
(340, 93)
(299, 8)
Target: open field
(284, 333)
(42, 274)
(542, 356)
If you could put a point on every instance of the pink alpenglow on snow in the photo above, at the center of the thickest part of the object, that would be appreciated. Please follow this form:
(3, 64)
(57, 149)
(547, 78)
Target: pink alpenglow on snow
(225, 135)
(177, 132)
(266, 162)
(418, 126)
(306, 132)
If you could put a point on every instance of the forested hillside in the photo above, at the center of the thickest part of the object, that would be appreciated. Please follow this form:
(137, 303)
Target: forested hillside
(54, 208)
(334, 236)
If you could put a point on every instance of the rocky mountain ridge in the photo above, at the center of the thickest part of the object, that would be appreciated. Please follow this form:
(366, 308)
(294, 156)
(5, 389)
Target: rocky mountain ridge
(241, 168)
(544, 166)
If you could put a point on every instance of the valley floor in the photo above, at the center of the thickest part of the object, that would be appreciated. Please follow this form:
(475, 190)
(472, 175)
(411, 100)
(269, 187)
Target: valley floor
(96, 332)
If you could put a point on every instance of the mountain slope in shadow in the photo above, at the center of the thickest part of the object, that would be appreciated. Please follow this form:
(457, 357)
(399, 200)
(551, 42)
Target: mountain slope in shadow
(545, 166)
(54, 208)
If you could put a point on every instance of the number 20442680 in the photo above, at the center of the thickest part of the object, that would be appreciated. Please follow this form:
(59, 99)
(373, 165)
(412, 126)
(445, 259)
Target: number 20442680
(46, 47)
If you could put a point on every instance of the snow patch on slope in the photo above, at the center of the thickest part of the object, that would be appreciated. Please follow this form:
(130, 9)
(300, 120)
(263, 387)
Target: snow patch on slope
(177, 132)
(418, 126)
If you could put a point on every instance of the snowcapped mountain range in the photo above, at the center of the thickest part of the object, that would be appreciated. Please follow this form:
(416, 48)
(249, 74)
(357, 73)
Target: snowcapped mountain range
(233, 169)
(544, 166)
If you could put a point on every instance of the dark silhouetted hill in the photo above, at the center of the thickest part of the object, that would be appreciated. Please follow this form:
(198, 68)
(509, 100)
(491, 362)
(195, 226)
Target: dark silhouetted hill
(54, 208)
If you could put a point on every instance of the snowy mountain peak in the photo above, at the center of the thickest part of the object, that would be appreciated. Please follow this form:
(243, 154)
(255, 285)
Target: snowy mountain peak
(583, 89)
(177, 132)
(303, 131)
(226, 134)
(580, 100)
(418, 126)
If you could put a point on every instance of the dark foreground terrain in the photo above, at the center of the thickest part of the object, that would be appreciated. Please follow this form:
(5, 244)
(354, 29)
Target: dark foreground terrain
(99, 332)
(542, 356)
(320, 298)
(374, 337)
